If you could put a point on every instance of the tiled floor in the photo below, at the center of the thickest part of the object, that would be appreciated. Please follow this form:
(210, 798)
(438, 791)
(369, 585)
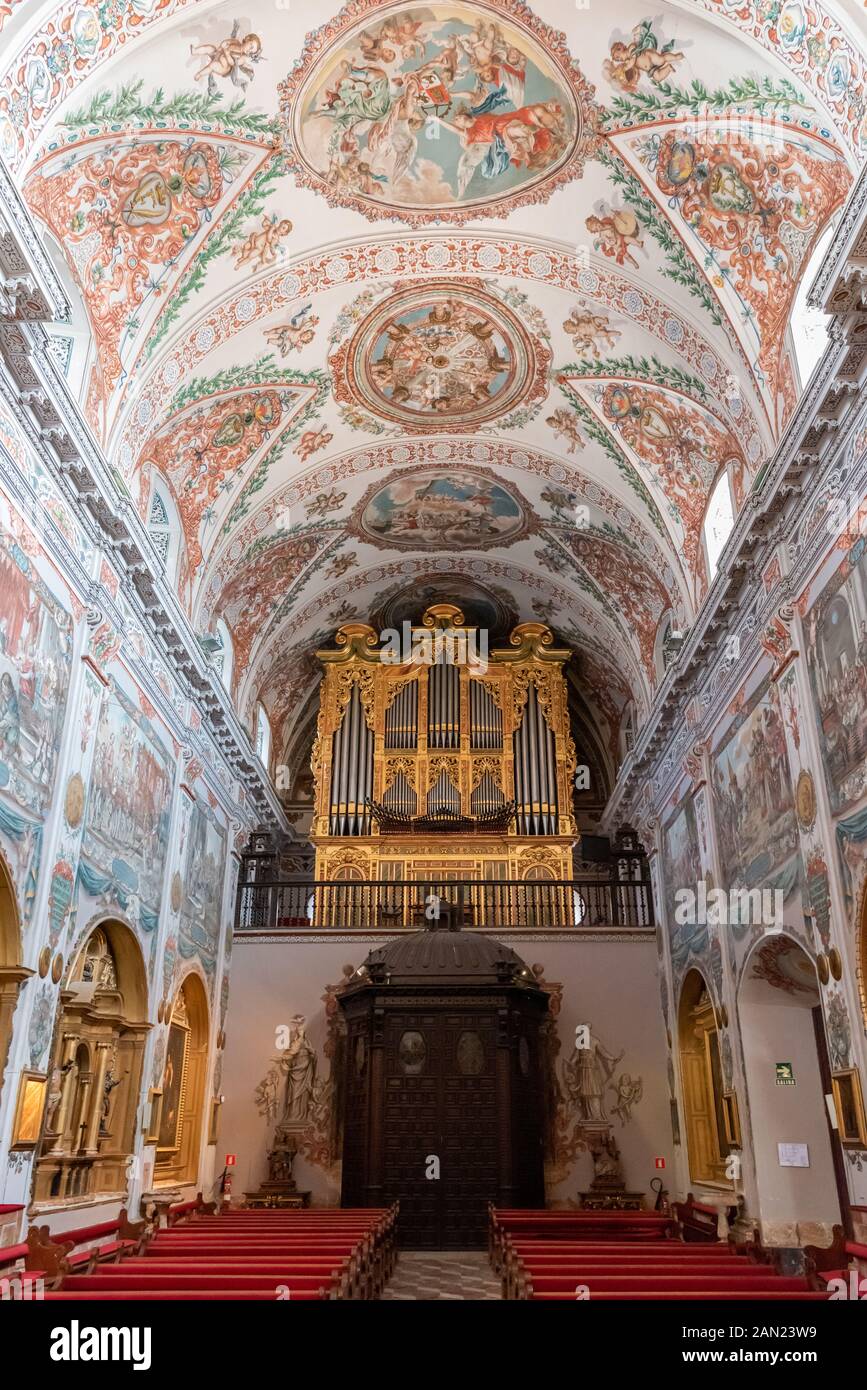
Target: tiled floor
(462, 1274)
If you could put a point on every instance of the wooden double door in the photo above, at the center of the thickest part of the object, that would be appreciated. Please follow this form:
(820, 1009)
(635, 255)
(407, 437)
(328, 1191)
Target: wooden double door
(440, 1150)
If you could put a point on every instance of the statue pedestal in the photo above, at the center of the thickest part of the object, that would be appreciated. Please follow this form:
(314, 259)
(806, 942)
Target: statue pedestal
(277, 1195)
(608, 1190)
(611, 1199)
(279, 1188)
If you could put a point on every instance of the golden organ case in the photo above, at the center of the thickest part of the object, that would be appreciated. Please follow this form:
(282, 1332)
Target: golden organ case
(440, 762)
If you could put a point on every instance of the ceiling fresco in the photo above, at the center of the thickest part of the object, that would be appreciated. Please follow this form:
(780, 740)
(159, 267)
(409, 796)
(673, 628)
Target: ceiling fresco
(436, 111)
(453, 356)
(398, 297)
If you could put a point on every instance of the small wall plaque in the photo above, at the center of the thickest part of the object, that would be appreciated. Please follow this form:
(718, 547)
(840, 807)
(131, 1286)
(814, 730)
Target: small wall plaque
(793, 1155)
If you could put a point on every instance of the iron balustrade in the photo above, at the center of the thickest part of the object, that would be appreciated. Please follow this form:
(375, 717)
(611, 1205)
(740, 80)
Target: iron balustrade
(611, 902)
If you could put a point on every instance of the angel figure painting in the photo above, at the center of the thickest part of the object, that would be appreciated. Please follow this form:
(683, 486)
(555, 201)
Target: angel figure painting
(643, 56)
(231, 59)
(435, 107)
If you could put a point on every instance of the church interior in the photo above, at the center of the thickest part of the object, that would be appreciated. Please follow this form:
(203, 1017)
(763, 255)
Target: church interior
(433, 651)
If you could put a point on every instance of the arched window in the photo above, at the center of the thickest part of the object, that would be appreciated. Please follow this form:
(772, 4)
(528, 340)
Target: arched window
(719, 520)
(224, 659)
(164, 529)
(263, 735)
(809, 327)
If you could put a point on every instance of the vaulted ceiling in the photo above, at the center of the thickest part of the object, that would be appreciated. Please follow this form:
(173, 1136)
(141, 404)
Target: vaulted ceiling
(472, 299)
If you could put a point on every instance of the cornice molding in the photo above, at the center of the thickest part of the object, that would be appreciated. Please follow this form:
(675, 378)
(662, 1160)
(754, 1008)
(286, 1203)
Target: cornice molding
(29, 286)
(837, 263)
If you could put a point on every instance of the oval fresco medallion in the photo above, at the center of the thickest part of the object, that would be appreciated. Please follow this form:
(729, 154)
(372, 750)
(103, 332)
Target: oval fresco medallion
(436, 112)
(433, 508)
(73, 808)
(445, 356)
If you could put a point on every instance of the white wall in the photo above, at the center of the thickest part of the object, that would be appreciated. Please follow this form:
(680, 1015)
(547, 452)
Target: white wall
(611, 986)
(776, 1028)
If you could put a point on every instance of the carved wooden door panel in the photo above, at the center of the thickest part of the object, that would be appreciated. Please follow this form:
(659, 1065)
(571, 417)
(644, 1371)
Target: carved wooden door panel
(440, 1102)
(411, 1124)
(469, 1170)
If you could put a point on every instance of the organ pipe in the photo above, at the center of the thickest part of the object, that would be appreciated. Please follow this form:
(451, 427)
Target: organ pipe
(486, 720)
(401, 718)
(486, 797)
(443, 796)
(535, 771)
(352, 771)
(401, 797)
(443, 706)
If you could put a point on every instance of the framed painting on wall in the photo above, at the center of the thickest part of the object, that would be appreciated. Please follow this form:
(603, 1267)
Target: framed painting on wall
(849, 1104)
(731, 1119)
(214, 1126)
(27, 1126)
(174, 1077)
(155, 1102)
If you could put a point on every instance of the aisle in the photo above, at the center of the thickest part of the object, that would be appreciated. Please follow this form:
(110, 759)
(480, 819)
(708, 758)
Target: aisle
(424, 1274)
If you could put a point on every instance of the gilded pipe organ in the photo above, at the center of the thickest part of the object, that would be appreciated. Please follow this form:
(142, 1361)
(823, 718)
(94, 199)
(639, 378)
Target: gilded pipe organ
(436, 763)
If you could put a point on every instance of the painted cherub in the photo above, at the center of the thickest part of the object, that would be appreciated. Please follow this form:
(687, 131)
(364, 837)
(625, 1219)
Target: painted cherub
(615, 234)
(231, 58)
(410, 34)
(565, 426)
(375, 47)
(296, 334)
(589, 332)
(629, 62)
(312, 441)
(262, 248)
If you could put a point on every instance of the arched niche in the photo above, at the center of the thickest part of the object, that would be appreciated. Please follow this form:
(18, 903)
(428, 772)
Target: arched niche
(96, 1068)
(788, 1076)
(704, 1099)
(182, 1100)
(12, 972)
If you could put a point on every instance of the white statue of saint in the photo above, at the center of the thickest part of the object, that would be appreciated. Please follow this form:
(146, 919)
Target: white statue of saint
(586, 1076)
(298, 1064)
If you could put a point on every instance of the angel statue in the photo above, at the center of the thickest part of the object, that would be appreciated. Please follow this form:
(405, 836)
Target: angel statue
(265, 1094)
(629, 1092)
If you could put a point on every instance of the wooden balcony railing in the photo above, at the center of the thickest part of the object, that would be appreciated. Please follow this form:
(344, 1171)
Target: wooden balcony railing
(590, 904)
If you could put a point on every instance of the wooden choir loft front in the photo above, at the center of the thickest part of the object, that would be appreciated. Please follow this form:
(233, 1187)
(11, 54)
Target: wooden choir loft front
(440, 762)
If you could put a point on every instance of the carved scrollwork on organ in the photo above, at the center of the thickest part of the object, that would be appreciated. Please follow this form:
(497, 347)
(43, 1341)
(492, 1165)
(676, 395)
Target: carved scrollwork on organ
(399, 767)
(450, 767)
(486, 767)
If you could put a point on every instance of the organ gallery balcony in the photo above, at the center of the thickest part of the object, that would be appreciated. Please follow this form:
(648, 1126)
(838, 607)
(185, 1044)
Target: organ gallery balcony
(615, 897)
